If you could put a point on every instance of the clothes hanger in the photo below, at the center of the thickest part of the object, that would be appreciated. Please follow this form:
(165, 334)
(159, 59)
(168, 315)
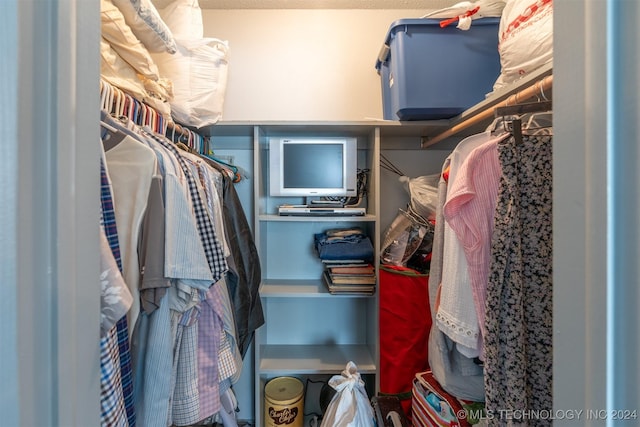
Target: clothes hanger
(161, 125)
(495, 125)
(386, 164)
(109, 99)
(112, 99)
(118, 108)
(136, 111)
(143, 114)
(108, 127)
(153, 120)
(516, 112)
(103, 95)
(131, 107)
(541, 119)
(537, 121)
(234, 171)
(189, 139)
(112, 137)
(196, 142)
(173, 133)
(203, 144)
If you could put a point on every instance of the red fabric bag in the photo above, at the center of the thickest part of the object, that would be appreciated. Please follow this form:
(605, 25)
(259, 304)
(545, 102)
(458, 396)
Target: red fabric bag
(450, 411)
(404, 322)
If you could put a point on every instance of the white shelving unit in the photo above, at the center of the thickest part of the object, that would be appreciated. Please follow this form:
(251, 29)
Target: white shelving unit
(308, 331)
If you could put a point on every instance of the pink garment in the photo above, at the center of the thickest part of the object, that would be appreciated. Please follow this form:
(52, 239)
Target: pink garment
(471, 202)
(209, 330)
(456, 316)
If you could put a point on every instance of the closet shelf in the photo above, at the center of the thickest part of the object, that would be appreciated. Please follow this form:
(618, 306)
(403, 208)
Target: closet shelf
(342, 128)
(280, 218)
(314, 359)
(428, 132)
(476, 119)
(295, 288)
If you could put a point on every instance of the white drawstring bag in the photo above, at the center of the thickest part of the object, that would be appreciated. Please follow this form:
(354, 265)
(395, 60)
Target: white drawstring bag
(350, 405)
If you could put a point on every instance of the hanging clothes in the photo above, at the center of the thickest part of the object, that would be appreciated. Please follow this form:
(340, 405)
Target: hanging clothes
(244, 275)
(131, 167)
(116, 379)
(469, 211)
(518, 342)
(185, 343)
(457, 315)
(456, 372)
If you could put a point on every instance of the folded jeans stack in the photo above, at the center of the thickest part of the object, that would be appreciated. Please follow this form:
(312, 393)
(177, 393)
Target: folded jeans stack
(343, 244)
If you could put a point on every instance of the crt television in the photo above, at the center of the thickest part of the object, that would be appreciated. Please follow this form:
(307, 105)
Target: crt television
(313, 167)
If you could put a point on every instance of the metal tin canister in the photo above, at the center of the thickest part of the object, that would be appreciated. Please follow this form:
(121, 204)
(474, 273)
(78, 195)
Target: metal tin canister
(284, 402)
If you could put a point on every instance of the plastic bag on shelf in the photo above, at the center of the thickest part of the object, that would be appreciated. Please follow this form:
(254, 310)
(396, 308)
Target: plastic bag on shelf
(407, 235)
(199, 72)
(525, 39)
(350, 406)
(423, 192)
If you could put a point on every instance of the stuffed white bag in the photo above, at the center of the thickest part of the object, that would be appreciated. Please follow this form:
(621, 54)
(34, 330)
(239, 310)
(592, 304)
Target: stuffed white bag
(199, 72)
(350, 405)
(525, 39)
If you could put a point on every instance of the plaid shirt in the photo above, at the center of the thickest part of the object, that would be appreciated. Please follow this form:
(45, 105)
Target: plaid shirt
(212, 246)
(116, 379)
(210, 309)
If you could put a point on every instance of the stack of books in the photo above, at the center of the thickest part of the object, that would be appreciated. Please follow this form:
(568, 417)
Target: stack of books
(349, 277)
(346, 254)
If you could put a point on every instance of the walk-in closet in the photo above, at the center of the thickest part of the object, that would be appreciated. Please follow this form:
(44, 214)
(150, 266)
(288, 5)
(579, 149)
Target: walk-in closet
(90, 166)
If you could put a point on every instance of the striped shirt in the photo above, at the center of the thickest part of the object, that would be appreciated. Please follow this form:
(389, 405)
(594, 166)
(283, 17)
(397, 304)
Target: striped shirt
(469, 211)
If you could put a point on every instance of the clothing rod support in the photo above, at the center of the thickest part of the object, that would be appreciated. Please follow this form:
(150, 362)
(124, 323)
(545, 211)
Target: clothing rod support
(530, 107)
(536, 90)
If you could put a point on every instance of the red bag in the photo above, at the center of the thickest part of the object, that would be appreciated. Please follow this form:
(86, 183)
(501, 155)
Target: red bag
(448, 410)
(404, 322)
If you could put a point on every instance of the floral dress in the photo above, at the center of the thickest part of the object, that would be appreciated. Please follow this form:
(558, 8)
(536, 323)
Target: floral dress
(518, 344)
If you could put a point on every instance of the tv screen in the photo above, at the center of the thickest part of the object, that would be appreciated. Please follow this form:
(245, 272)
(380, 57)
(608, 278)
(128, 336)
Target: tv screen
(313, 167)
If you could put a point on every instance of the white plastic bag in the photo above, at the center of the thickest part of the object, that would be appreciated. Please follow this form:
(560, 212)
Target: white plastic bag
(199, 75)
(423, 191)
(350, 406)
(406, 234)
(525, 39)
(184, 19)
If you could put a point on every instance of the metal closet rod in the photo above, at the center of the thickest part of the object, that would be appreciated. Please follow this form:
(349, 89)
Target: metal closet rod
(536, 90)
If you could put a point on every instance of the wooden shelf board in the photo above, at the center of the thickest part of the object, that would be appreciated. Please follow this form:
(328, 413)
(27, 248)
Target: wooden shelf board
(314, 359)
(293, 288)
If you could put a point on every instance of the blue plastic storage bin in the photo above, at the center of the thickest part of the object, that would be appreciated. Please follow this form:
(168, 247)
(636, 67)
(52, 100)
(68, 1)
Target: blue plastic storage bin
(430, 73)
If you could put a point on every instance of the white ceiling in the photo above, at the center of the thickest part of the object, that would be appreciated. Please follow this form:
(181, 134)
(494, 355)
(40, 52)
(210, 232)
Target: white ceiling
(318, 4)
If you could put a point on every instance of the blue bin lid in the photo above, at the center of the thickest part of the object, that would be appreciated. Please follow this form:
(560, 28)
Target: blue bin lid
(383, 54)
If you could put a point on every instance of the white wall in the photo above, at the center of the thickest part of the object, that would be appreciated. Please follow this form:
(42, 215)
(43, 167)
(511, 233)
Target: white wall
(307, 65)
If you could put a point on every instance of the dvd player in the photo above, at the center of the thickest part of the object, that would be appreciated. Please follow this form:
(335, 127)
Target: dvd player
(304, 210)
